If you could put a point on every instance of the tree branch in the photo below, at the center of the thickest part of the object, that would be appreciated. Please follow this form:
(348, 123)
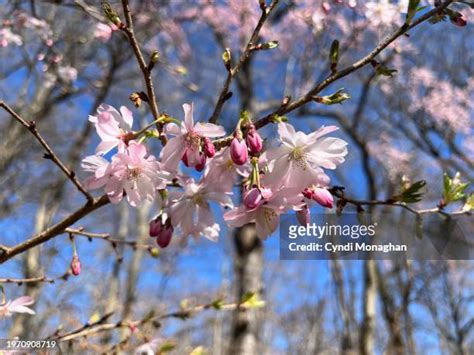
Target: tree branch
(105, 236)
(308, 97)
(7, 253)
(128, 29)
(232, 72)
(336, 191)
(51, 155)
(101, 326)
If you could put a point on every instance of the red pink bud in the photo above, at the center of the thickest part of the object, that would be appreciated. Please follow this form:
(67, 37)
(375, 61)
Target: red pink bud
(254, 141)
(238, 151)
(209, 148)
(164, 238)
(323, 197)
(458, 19)
(75, 265)
(252, 198)
(155, 227)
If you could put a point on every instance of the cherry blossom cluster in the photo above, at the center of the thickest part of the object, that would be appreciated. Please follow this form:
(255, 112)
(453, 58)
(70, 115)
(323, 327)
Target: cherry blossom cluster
(13, 30)
(288, 175)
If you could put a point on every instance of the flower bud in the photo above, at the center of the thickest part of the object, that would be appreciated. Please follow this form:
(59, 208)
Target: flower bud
(458, 19)
(252, 198)
(303, 216)
(155, 227)
(238, 151)
(164, 238)
(254, 141)
(200, 166)
(209, 148)
(75, 265)
(323, 197)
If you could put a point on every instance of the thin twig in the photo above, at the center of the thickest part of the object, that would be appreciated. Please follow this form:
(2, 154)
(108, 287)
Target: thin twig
(232, 72)
(129, 31)
(33, 280)
(389, 202)
(31, 126)
(105, 236)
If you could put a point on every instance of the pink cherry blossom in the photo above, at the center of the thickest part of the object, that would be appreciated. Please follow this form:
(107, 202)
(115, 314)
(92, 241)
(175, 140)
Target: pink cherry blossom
(17, 306)
(299, 160)
(382, 13)
(223, 171)
(266, 215)
(189, 209)
(132, 172)
(7, 37)
(40, 27)
(112, 126)
(188, 140)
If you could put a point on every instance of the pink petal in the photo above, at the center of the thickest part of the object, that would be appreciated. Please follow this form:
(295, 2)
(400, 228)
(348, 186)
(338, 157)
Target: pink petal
(209, 130)
(127, 118)
(105, 147)
(188, 116)
(172, 153)
(238, 217)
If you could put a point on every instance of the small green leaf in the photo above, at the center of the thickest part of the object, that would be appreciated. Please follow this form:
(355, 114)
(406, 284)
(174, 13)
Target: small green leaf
(337, 98)
(454, 189)
(270, 45)
(252, 300)
(111, 14)
(469, 204)
(410, 193)
(166, 347)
